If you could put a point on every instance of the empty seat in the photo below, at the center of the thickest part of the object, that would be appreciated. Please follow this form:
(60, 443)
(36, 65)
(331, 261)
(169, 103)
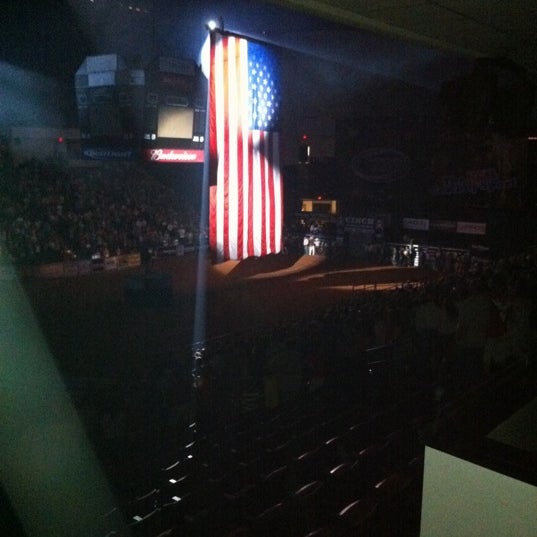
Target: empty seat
(403, 446)
(370, 463)
(175, 470)
(357, 518)
(275, 486)
(206, 522)
(242, 504)
(278, 455)
(334, 425)
(173, 512)
(391, 488)
(342, 485)
(169, 532)
(179, 467)
(333, 452)
(143, 504)
(307, 467)
(176, 487)
(322, 531)
(308, 440)
(248, 470)
(146, 526)
(308, 502)
(276, 520)
(240, 531)
(359, 436)
(393, 496)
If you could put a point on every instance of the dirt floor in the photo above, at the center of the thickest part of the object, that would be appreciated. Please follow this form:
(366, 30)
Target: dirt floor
(94, 316)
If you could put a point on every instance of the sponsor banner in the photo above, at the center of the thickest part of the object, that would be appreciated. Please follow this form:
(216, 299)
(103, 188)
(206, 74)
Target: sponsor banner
(87, 266)
(84, 266)
(52, 270)
(122, 261)
(108, 153)
(472, 228)
(421, 224)
(449, 226)
(174, 155)
(110, 263)
(432, 249)
(168, 251)
(97, 263)
(133, 260)
(473, 182)
(359, 223)
(480, 253)
(381, 165)
(70, 268)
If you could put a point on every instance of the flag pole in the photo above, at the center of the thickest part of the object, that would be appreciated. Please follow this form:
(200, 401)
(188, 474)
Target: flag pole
(200, 306)
(238, 35)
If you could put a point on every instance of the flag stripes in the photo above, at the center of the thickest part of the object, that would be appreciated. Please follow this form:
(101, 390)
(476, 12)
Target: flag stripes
(246, 194)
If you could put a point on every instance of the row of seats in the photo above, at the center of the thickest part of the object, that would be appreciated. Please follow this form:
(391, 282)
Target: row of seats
(336, 502)
(258, 473)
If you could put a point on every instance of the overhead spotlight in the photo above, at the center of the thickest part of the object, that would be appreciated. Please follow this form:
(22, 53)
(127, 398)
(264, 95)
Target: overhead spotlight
(215, 24)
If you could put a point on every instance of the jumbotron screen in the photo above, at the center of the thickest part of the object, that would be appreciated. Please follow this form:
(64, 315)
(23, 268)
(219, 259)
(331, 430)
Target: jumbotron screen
(175, 122)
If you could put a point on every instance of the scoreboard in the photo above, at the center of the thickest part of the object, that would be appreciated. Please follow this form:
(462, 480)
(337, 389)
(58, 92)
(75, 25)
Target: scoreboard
(155, 114)
(174, 112)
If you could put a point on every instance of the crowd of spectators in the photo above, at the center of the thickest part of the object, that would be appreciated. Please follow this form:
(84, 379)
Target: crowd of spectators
(49, 213)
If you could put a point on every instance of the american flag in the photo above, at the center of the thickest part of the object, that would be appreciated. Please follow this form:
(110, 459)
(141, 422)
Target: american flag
(246, 209)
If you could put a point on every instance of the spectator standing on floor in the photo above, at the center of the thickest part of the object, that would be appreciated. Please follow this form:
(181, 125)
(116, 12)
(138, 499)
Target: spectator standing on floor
(448, 320)
(426, 322)
(311, 245)
(519, 320)
(474, 308)
(497, 346)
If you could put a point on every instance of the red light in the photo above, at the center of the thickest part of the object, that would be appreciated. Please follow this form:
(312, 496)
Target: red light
(304, 137)
(319, 198)
(60, 139)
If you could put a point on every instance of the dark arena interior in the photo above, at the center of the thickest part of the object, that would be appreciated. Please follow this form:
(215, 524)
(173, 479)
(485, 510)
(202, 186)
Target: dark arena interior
(374, 375)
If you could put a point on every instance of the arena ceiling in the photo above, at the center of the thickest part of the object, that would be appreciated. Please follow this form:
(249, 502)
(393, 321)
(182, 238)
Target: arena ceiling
(470, 28)
(422, 43)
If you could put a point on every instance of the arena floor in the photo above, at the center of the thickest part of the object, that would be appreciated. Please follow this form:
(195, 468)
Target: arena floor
(89, 317)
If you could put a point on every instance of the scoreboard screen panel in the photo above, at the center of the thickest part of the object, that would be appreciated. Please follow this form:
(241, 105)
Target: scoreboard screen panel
(175, 122)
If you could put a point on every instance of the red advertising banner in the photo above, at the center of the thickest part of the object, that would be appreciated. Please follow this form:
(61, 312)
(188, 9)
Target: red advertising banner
(174, 155)
(472, 228)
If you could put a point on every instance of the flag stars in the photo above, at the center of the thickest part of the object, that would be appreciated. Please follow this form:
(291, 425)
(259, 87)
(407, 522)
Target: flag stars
(263, 95)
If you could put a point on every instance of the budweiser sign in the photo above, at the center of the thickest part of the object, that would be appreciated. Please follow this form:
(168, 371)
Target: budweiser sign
(174, 155)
